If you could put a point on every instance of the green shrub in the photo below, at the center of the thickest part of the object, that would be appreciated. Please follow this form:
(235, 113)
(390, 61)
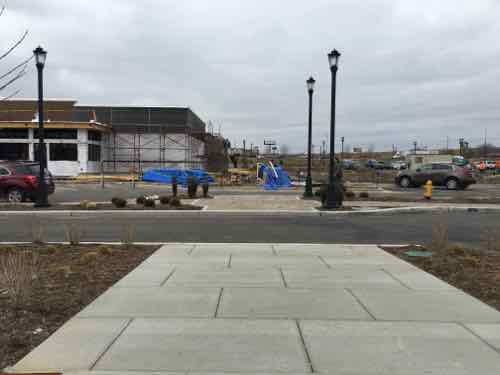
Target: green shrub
(141, 199)
(364, 194)
(119, 202)
(149, 202)
(175, 202)
(165, 199)
(350, 194)
(192, 187)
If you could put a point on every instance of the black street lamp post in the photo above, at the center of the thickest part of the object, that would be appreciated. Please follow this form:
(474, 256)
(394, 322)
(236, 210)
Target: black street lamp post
(415, 147)
(42, 201)
(342, 149)
(308, 193)
(334, 193)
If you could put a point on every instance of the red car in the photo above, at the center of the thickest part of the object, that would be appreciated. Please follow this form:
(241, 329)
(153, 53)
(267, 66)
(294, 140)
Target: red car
(19, 181)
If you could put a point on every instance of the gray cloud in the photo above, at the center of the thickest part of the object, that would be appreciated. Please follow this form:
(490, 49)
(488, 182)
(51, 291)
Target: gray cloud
(409, 70)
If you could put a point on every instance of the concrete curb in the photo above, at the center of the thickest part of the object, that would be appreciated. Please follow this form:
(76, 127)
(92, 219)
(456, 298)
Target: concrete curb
(313, 212)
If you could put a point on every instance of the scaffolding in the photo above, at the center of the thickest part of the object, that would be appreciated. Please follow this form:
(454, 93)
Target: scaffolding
(146, 137)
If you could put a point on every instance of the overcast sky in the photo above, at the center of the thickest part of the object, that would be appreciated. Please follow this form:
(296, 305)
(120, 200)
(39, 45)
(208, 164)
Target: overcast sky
(410, 69)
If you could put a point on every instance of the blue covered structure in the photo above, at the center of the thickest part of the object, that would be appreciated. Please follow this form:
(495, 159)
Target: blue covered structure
(275, 177)
(164, 175)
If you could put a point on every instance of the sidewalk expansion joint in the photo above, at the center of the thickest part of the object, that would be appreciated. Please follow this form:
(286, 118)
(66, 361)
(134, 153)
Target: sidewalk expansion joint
(395, 278)
(308, 357)
(229, 261)
(478, 337)
(111, 344)
(273, 249)
(218, 303)
(324, 262)
(283, 277)
(168, 277)
(361, 303)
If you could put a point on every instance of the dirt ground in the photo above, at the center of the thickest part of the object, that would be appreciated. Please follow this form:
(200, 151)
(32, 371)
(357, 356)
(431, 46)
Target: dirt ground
(476, 272)
(64, 279)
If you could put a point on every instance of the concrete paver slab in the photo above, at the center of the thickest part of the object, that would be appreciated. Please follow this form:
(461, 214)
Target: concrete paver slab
(207, 345)
(258, 303)
(439, 306)
(332, 250)
(269, 277)
(373, 260)
(340, 278)
(230, 249)
(164, 259)
(275, 260)
(488, 332)
(146, 276)
(176, 249)
(155, 302)
(121, 373)
(75, 346)
(397, 348)
(419, 280)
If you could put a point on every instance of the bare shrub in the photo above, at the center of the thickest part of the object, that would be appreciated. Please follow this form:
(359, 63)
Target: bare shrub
(105, 250)
(18, 272)
(129, 234)
(73, 233)
(490, 239)
(439, 237)
(89, 258)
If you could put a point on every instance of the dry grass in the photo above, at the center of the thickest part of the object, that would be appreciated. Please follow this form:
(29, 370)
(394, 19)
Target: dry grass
(37, 233)
(73, 233)
(490, 239)
(439, 238)
(18, 271)
(129, 234)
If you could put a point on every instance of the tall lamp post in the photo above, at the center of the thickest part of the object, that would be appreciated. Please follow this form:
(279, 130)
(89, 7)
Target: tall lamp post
(342, 149)
(40, 55)
(308, 193)
(334, 193)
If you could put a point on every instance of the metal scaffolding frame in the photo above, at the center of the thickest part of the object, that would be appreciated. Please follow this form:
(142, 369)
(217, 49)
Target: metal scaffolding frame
(128, 148)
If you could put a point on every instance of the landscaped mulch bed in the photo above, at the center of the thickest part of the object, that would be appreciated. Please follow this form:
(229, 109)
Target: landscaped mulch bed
(68, 279)
(476, 272)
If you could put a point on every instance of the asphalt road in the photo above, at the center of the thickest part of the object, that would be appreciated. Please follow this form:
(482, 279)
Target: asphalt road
(464, 227)
(70, 192)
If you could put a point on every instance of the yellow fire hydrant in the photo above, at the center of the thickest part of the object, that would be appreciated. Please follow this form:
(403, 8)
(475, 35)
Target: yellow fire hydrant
(428, 189)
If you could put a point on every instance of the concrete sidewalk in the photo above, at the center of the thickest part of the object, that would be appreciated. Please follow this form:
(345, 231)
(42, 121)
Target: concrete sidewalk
(275, 309)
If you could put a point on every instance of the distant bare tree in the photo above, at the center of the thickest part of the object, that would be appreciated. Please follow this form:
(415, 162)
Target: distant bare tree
(9, 75)
(284, 150)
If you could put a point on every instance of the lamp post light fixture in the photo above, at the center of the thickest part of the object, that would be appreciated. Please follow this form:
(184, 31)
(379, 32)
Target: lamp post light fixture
(308, 193)
(334, 194)
(42, 201)
(461, 142)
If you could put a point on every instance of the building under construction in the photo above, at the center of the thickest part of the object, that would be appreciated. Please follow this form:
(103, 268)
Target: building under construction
(91, 139)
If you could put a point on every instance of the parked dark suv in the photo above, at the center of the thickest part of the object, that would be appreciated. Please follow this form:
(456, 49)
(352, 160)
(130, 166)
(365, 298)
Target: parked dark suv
(449, 175)
(19, 181)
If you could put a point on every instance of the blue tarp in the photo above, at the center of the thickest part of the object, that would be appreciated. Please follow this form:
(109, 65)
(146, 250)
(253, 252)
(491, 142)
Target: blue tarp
(164, 175)
(275, 177)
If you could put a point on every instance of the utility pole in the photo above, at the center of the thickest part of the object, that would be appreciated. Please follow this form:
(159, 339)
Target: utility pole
(446, 143)
(485, 142)
(415, 147)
